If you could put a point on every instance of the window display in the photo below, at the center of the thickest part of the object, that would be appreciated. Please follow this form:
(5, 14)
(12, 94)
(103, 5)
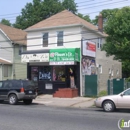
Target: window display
(34, 73)
(59, 73)
(45, 73)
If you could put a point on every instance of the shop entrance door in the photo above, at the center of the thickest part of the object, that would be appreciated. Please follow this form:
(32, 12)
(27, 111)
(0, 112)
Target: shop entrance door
(75, 73)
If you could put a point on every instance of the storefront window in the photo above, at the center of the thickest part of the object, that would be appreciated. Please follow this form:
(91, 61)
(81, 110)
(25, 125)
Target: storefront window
(34, 73)
(59, 73)
(45, 73)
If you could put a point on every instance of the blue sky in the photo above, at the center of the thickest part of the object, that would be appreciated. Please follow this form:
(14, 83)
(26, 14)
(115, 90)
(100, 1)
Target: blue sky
(9, 9)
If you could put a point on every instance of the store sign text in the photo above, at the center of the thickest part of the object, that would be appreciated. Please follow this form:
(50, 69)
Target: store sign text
(41, 57)
(66, 56)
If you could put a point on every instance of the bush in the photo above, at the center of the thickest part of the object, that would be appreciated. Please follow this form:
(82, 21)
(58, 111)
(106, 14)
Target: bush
(102, 93)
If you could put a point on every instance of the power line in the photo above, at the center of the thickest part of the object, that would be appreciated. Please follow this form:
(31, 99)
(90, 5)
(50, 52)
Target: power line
(85, 1)
(94, 38)
(70, 34)
(103, 4)
(97, 3)
(70, 16)
(89, 7)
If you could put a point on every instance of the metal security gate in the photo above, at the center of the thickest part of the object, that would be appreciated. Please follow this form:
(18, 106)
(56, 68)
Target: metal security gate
(115, 86)
(91, 85)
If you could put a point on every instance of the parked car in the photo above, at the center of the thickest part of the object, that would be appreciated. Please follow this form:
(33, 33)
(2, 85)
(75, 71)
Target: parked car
(17, 90)
(111, 102)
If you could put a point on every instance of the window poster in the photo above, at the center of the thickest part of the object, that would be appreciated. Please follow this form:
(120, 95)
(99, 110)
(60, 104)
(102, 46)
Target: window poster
(88, 66)
(45, 73)
(34, 73)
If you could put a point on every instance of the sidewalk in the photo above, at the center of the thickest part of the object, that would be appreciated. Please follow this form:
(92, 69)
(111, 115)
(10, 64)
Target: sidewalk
(77, 102)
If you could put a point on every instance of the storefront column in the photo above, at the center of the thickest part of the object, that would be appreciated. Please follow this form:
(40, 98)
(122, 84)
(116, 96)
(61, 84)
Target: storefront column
(81, 83)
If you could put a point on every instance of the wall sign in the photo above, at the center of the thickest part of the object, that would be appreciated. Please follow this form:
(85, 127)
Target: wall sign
(48, 86)
(64, 56)
(62, 63)
(88, 48)
(40, 57)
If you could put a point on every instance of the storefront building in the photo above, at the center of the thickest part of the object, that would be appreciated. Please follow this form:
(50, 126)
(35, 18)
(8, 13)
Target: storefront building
(53, 69)
(55, 52)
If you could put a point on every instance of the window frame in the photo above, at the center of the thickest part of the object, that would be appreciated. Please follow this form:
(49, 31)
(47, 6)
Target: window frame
(60, 40)
(45, 39)
(99, 44)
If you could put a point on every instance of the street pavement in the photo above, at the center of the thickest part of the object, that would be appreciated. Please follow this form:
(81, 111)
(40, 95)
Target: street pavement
(76, 102)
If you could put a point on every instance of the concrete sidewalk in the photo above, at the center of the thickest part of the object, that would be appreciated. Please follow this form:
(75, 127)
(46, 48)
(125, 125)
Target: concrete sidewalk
(77, 102)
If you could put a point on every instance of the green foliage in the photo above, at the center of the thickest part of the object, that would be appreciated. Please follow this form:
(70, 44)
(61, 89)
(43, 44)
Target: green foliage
(39, 10)
(118, 41)
(70, 5)
(118, 29)
(128, 79)
(102, 93)
(5, 22)
(126, 68)
(106, 14)
(86, 17)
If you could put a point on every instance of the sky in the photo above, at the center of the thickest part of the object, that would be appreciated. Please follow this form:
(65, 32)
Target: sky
(10, 9)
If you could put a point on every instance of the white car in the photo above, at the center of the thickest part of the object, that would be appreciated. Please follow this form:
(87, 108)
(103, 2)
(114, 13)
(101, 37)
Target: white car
(111, 102)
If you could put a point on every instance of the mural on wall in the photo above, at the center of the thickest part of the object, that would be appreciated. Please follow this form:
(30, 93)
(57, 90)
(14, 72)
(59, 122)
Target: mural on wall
(88, 66)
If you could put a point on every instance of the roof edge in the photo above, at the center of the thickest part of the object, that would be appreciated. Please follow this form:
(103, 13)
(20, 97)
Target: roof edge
(63, 26)
(5, 34)
(7, 61)
(96, 31)
(53, 27)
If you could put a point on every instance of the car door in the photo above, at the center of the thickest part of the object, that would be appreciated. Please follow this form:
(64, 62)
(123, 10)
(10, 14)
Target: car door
(1, 82)
(124, 99)
(5, 89)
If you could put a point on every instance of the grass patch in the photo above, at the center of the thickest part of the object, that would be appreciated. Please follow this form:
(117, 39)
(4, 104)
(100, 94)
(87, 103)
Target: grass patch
(102, 93)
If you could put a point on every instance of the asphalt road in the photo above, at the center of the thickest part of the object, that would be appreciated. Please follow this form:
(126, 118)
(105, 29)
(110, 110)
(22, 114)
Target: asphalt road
(40, 117)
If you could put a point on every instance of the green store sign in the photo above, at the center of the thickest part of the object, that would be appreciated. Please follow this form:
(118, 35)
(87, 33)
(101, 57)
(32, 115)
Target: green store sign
(65, 56)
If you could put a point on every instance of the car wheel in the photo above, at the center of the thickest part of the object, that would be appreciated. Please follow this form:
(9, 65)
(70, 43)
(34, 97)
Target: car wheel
(27, 101)
(13, 99)
(108, 106)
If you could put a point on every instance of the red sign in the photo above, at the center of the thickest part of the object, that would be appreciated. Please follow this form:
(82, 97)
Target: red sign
(91, 47)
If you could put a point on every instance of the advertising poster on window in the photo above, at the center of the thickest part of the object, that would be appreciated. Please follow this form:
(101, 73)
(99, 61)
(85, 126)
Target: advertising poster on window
(88, 48)
(88, 66)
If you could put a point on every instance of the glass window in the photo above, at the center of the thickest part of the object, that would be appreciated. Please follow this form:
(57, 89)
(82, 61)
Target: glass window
(45, 39)
(34, 73)
(59, 73)
(60, 38)
(45, 73)
(1, 84)
(127, 92)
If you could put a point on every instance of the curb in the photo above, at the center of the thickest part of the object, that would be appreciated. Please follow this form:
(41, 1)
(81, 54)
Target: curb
(80, 102)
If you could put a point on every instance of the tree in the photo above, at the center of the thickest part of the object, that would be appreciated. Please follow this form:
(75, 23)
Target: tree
(70, 5)
(86, 17)
(5, 22)
(118, 41)
(37, 11)
(106, 14)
